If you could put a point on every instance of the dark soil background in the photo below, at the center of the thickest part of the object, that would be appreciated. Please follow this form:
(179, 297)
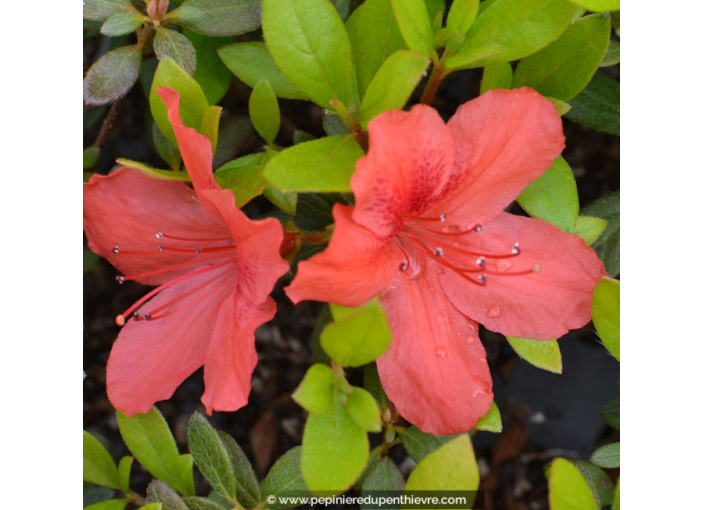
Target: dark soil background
(544, 415)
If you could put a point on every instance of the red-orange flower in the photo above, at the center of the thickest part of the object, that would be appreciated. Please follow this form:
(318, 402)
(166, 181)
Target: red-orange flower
(428, 232)
(213, 266)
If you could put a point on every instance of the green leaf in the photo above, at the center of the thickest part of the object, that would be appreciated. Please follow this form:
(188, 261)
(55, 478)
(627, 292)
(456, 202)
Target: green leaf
(606, 314)
(251, 62)
(112, 76)
(563, 68)
(384, 476)
(284, 479)
(198, 503)
(309, 44)
(98, 465)
(598, 481)
(192, 105)
(211, 456)
(110, 504)
(95, 494)
(359, 337)
(590, 228)
(598, 106)
(608, 245)
(335, 450)
(491, 421)
(608, 456)
(99, 10)
(450, 467)
(315, 393)
(211, 73)
(148, 437)
(599, 5)
(372, 384)
(314, 210)
(418, 444)
(612, 55)
(159, 492)
(124, 470)
(461, 15)
(612, 413)
(210, 124)
(414, 22)
(374, 36)
(248, 490)
(567, 488)
(323, 165)
(234, 135)
(553, 196)
(519, 28)
(543, 354)
(333, 124)
(244, 176)
(169, 43)
(393, 84)
(167, 151)
(364, 410)
(284, 201)
(617, 495)
(218, 18)
(122, 23)
(167, 175)
(90, 157)
(497, 76)
(264, 111)
(154, 506)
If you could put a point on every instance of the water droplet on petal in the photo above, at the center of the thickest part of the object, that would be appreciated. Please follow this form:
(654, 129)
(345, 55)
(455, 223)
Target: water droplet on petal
(402, 266)
(456, 244)
(493, 312)
(471, 328)
(537, 267)
(503, 265)
(470, 340)
(482, 359)
(440, 352)
(478, 393)
(189, 196)
(478, 228)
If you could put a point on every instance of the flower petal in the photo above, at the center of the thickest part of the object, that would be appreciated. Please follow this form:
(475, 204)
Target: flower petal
(229, 366)
(542, 305)
(356, 266)
(151, 358)
(435, 371)
(504, 139)
(127, 209)
(405, 171)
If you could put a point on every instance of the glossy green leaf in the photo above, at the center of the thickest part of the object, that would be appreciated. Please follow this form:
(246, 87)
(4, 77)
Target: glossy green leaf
(309, 44)
(611, 413)
(160, 492)
(563, 68)
(209, 126)
(553, 196)
(91, 155)
(284, 201)
(169, 43)
(372, 384)
(617, 495)
(497, 76)
(264, 111)
(248, 490)
(251, 62)
(543, 354)
(284, 479)
(608, 245)
(418, 444)
(598, 106)
(567, 488)
(491, 421)
(211, 73)
(374, 36)
(415, 26)
(148, 437)
(95, 494)
(218, 18)
(211, 456)
(561, 106)
(323, 165)
(608, 456)
(335, 450)
(122, 23)
(519, 28)
(154, 506)
(393, 84)
(112, 76)
(383, 476)
(364, 410)
(192, 105)
(315, 393)
(436, 9)
(100, 10)
(124, 469)
(244, 176)
(599, 5)
(110, 504)
(598, 481)
(462, 14)
(450, 467)
(612, 55)
(333, 124)
(590, 228)
(98, 465)
(606, 314)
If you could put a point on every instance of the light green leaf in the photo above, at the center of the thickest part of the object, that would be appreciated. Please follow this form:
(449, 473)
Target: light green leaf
(244, 176)
(383, 476)
(608, 245)
(598, 106)
(264, 111)
(248, 490)
(122, 23)
(251, 62)
(112, 76)
(315, 393)
(543, 354)
(309, 44)
(414, 22)
(461, 15)
(497, 76)
(323, 165)
(98, 465)
(598, 481)
(169, 43)
(218, 18)
(156, 173)
(553, 196)
(124, 470)
(110, 504)
(153, 506)
(491, 421)
(211, 456)
(364, 410)
(590, 228)
(617, 495)
(606, 313)
(599, 5)
(284, 479)
(418, 444)
(148, 437)
(393, 84)
(160, 492)
(608, 456)
(99, 10)
(211, 73)
(335, 450)
(567, 488)
(562, 69)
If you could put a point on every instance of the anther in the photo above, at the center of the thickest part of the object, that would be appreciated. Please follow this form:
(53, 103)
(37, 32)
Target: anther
(439, 252)
(147, 316)
(403, 266)
(120, 279)
(159, 235)
(116, 249)
(478, 228)
(482, 278)
(197, 250)
(442, 217)
(515, 250)
(537, 267)
(120, 320)
(480, 261)
(160, 248)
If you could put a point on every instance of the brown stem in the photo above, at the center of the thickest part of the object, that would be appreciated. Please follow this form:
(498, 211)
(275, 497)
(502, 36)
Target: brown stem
(433, 83)
(108, 123)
